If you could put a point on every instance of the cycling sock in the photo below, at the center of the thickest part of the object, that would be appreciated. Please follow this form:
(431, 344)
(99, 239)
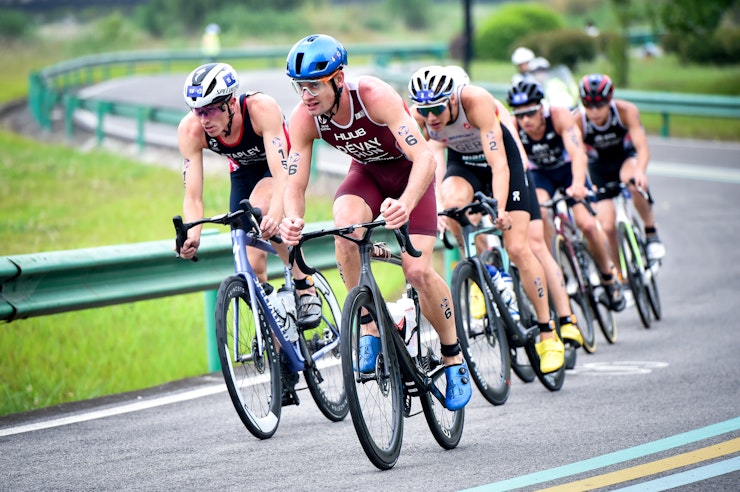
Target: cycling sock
(303, 283)
(450, 350)
(365, 319)
(545, 327)
(650, 231)
(563, 320)
(606, 277)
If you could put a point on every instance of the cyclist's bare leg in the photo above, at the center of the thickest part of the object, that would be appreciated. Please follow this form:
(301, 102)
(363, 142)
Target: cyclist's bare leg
(553, 273)
(533, 276)
(456, 192)
(595, 237)
(626, 173)
(607, 218)
(435, 298)
(548, 229)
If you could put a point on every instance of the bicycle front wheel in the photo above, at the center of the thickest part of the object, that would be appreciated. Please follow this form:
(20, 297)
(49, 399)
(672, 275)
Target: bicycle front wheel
(248, 359)
(446, 426)
(375, 399)
(324, 378)
(650, 277)
(631, 262)
(481, 333)
(573, 277)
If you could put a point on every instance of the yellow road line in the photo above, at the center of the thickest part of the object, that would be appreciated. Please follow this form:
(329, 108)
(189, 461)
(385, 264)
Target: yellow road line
(703, 454)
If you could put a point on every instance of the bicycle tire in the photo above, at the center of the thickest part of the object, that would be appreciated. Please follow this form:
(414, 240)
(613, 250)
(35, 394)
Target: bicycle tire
(651, 284)
(446, 426)
(634, 275)
(528, 316)
(375, 401)
(324, 378)
(252, 379)
(577, 292)
(602, 315)
(482, 339)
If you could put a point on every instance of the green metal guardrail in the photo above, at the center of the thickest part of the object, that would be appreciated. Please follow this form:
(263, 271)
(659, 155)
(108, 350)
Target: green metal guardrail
(51, 86)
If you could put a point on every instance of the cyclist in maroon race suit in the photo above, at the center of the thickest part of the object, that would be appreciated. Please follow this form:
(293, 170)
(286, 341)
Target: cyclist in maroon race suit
(391, 174)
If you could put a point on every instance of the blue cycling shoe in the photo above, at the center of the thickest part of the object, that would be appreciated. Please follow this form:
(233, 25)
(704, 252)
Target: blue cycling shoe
(369, 350)
(459, 389)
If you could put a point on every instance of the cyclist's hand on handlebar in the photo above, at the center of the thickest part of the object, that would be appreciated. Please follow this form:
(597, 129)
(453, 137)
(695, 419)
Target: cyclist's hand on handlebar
(640, 180)
(577, 191)
(270, 226)
(503, 221)
(189, 248)
(394, 213)
(290, 230)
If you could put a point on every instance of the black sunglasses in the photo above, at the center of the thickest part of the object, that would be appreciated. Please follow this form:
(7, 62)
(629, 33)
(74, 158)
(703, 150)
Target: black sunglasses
(435, 110)
(596, 105)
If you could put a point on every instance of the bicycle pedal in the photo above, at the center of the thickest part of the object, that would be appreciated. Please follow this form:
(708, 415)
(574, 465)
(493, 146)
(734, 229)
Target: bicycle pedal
(407, 406)
(290, 398)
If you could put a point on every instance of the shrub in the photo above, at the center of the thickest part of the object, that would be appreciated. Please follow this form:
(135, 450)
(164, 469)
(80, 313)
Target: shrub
(500, 33)
(14, 24)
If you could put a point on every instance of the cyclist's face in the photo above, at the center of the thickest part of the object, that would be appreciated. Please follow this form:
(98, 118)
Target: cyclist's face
(318, 95)
(213, 117)
(598, 113)
(529, 117)
(436, 116)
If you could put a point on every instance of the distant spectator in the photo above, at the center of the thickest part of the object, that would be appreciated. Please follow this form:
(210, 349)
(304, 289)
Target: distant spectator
(521, 58)
(210, 44)
(591, 29)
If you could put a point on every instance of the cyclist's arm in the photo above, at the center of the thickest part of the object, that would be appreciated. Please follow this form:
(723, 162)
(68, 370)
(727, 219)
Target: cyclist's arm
(191, 142)
(630, 116)
(384, 105)
(480, 107)
(573, 141)
(268, 122)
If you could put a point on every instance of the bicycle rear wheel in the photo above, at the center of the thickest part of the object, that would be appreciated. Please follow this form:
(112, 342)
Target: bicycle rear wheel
(324, 379)
(631, 263)
(602, 315)
(481, 334)
(248, 359)
(573, 277)
(446, 426)
(375, 399)
(528, 317)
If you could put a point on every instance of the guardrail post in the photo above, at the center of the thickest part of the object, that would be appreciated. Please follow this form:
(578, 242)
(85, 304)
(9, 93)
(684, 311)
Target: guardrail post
(70, 106)
(214, 364)
(142, 114)
(665, 130)
(102, 108)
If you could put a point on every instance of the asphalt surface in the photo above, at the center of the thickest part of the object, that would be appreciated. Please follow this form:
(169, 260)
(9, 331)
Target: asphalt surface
(666, 399)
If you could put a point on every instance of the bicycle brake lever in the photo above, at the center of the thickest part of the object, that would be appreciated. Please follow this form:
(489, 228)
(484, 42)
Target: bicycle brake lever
(181, 235)
(404, 241)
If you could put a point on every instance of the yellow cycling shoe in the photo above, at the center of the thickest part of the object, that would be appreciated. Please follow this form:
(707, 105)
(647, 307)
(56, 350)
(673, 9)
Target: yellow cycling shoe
(552, 354)
(571, 334)
(476, 302)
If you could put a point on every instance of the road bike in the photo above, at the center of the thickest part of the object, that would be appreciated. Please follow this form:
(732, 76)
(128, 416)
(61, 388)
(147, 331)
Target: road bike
(642, 274)
(489, 338)
(260, 364)
(589, 299)
(379, 400)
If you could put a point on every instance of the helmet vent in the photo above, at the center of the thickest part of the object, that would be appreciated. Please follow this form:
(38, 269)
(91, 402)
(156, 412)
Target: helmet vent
(298, 62)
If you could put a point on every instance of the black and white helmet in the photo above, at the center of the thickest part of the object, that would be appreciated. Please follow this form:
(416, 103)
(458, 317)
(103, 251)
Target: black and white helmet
(211, 83)
(431, 85)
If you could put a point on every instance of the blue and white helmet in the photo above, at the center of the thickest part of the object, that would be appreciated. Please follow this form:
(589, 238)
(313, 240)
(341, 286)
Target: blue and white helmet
(430, 86)
(211, 83)
(315, 57)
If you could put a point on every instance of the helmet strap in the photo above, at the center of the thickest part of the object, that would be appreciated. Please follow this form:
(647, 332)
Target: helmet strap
(326, 117)
(227, 132)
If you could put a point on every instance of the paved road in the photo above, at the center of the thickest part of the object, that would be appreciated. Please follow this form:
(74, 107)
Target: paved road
(655, 405)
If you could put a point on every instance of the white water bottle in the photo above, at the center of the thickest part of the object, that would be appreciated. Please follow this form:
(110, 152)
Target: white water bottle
(409, 310)
(504, 284)
(399, 317)
(283, 302)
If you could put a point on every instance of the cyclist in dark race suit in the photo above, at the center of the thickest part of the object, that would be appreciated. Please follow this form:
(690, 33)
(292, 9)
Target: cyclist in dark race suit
(557, 159)
(249, 130)
(391, 174)
(619, 151)
(484, 155)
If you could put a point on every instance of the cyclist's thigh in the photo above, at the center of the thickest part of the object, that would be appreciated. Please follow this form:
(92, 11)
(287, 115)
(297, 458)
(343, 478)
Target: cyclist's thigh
(243, 181)
(519, 198)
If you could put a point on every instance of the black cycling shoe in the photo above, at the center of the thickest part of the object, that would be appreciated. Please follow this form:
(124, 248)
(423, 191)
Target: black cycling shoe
(289, 379)
(617, 302)
(309, 311)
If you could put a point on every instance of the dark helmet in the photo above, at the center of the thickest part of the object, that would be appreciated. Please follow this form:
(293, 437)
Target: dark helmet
(314, 57)
(595, 88)
(211, 83)
(525, 92)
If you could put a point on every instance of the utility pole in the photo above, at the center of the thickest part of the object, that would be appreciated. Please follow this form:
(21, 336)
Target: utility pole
(468, 51)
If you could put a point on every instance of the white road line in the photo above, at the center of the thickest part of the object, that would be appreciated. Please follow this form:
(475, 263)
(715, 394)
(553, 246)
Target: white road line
(693, 171)
(127, 408)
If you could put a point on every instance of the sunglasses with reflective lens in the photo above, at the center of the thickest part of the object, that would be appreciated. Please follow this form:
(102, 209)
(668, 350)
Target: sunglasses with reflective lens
(529, 113)
(209, 111)
(313, 86)
(435, 110)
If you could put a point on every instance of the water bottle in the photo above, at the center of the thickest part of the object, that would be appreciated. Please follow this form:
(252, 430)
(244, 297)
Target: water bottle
(409, 310)
(505, 285)
(287, 301)
(399, 317)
